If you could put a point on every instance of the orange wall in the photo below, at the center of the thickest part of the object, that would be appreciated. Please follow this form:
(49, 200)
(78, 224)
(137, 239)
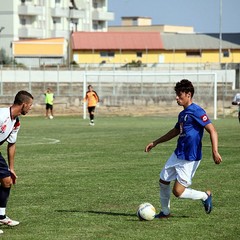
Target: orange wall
(49, 47)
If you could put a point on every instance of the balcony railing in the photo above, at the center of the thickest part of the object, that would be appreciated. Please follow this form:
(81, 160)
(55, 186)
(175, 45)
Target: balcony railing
(60, 33)
(29, 32)
(30, 10)
(59, 12)
(102, 16)
(76, 13)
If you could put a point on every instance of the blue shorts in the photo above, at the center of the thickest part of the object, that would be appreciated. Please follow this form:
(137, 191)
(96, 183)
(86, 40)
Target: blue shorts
(4, 169)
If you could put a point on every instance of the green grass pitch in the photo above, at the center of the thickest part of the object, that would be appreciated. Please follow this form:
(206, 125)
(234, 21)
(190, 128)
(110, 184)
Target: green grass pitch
(81, 182)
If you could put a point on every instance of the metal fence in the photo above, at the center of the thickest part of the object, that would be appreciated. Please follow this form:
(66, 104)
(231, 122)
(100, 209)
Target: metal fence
(125, 88)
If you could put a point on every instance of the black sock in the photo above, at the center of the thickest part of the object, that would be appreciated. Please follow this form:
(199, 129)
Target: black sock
(4, 194)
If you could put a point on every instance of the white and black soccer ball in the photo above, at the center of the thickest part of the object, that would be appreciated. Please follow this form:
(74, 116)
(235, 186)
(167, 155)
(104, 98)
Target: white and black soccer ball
(146, 211)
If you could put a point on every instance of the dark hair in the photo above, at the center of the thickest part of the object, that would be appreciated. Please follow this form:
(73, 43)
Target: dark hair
(22, 97)
(89, 86)
(184, 86)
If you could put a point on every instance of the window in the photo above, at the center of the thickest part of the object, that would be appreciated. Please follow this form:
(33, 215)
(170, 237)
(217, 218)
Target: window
(95, 26)
(23, 21)
(107, 54)
(139, 54)
(56, 20)
(196, 53)
(103, 54)
(95, 4)
(226, 53)
(111, 54)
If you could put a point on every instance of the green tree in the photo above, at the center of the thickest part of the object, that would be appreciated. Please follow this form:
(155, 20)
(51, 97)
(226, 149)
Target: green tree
(4, 59)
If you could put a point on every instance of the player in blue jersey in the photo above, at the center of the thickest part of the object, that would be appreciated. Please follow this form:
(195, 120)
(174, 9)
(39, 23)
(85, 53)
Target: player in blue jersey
(9, 127)
(183, 163)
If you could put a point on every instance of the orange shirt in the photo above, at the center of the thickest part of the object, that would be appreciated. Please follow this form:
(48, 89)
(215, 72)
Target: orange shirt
(92, 98)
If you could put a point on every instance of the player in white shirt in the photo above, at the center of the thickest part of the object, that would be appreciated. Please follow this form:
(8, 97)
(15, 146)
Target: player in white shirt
(236, 101)
(9, 127)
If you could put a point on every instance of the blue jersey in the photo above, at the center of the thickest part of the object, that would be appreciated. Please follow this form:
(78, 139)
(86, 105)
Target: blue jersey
(191, 123)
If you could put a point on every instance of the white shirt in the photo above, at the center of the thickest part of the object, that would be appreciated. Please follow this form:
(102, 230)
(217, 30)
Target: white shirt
(237, 98)
(8, 128)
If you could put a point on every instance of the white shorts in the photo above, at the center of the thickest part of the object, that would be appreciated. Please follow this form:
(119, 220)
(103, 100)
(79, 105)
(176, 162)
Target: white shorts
(180, 170)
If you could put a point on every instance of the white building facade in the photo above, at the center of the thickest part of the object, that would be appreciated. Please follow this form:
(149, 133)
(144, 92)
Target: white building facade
(38, 19)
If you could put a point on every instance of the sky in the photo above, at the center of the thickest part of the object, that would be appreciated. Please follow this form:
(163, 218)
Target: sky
(203, 15)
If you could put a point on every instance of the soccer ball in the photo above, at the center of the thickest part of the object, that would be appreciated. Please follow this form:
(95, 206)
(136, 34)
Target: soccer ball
(51, 117)
(146, 211)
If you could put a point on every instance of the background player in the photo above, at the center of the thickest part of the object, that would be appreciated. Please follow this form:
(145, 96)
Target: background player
(183, 163)
(49, 98)
(9, 127)
(92, 99)
(236, 101)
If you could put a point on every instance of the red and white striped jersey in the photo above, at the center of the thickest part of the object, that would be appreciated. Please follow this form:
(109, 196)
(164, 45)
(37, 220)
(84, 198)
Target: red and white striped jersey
(8, 127)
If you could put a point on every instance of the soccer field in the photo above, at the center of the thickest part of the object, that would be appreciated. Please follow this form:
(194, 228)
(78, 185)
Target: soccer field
(82, 182)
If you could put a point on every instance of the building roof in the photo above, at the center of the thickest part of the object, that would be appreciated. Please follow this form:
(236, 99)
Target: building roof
(116, 40)
(153, 41)
(179, 41)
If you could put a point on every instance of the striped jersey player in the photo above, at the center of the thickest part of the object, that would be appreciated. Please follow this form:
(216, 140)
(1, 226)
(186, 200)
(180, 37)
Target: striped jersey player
(9, 127)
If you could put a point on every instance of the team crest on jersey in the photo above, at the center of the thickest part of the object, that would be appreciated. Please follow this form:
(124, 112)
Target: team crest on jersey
(204, 118)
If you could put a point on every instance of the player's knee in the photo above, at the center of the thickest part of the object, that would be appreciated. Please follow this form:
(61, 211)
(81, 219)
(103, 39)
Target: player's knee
(6, 182)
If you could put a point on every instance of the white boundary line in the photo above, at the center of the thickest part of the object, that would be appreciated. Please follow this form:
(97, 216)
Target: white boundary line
(48, 141)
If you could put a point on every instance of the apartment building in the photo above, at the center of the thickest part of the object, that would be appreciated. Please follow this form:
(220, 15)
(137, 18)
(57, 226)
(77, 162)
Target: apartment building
(41, 19)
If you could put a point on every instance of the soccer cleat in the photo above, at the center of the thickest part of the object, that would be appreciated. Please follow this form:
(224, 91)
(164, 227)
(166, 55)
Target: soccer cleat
(208, 203)
(9, 222)
(162, 215)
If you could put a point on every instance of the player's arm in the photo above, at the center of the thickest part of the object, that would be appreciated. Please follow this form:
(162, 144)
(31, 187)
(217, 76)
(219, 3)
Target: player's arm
(168, 136)
(86, 97)
(214, 140)
(96, 96)
(11, 149)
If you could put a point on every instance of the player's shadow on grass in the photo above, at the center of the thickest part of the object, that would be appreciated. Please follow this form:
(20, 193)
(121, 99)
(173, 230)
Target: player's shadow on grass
(98, 212)
(114, 213)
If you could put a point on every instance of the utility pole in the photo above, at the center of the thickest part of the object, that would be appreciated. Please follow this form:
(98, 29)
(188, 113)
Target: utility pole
(1, 54)
(220, 32)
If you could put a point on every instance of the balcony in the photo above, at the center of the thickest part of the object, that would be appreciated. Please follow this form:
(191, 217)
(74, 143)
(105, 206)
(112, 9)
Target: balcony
(30, 10)
(29, 32)
(102, 16)
(59, 33)
(76, 13)
(59, 12)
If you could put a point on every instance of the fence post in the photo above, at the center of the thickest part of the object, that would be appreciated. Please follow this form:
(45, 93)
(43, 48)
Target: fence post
(84, 91)
(1, 91)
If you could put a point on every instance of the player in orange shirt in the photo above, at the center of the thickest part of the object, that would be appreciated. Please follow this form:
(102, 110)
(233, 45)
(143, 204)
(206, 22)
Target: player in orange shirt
(92, 99)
